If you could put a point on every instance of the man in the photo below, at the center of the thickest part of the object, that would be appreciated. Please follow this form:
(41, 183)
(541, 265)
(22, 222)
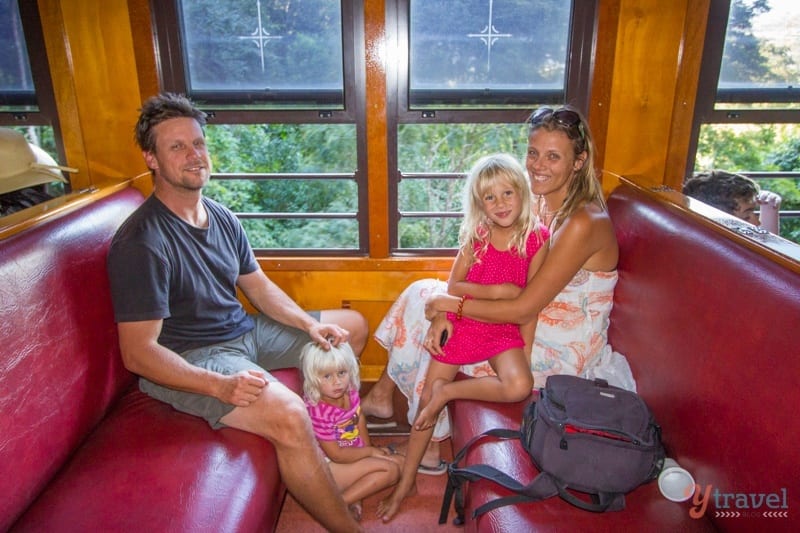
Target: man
(174, 267)
(737, 195)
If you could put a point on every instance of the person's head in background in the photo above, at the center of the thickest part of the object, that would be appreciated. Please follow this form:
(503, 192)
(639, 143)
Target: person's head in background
(735, 194)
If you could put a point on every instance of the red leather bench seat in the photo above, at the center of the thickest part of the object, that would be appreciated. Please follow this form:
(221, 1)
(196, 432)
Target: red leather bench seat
(81, 449)
(646, 509)
(710, 330)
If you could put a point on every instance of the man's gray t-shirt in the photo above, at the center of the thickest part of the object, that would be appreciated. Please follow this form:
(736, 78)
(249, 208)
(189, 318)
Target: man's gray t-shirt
(161, 267)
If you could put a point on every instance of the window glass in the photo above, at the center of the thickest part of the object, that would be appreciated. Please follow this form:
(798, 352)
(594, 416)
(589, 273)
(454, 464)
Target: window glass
(762, 45)
(16, 82)
(293, 185)
(770, 151)
(433, 161)
(753, 130)
(483, 48)
(265, 49)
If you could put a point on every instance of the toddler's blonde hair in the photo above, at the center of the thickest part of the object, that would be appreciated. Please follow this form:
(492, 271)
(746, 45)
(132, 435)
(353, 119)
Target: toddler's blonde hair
(316, 362)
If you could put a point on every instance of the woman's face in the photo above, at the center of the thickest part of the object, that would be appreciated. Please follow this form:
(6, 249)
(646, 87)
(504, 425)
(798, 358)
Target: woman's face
(551, 164)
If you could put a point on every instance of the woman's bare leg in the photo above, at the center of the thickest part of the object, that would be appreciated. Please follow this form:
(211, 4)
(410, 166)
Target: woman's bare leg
(379, 401)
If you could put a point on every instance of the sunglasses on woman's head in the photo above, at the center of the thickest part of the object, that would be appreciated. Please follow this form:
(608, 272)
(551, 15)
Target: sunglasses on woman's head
(564, 117)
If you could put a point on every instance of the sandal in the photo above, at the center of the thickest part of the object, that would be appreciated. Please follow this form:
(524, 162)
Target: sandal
(392, 447)
(437, 470)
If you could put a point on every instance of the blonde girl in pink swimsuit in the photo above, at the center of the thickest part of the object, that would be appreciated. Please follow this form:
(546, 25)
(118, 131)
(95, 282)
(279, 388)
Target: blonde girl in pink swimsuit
(499, 240)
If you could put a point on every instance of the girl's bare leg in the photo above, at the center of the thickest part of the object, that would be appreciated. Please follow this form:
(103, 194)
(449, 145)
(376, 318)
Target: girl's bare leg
(432, 455)
(512, 384)
(365, 477)
(417, 444)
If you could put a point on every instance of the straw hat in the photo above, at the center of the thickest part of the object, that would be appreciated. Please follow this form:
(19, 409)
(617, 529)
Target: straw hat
(24, 165)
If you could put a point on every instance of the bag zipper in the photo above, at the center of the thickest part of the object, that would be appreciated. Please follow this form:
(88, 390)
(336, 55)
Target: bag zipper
(572, 429)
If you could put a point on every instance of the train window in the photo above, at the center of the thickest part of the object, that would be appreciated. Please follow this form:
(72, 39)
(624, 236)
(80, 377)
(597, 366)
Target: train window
(27, 103)
(463, 87)
(748, 104)
(263, 53)
(287, 124)
(282, 91)
(299, 193)
(483, 55)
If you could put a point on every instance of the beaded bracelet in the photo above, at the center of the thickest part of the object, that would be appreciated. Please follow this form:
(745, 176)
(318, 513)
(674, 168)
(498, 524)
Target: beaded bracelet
(461, 306)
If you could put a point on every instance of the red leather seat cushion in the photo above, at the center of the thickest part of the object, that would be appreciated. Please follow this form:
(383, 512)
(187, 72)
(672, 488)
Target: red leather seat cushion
(148, 467)
(60, 367)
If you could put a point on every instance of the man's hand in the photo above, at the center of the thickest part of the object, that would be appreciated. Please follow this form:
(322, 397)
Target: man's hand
(328, 334)
(243, 388)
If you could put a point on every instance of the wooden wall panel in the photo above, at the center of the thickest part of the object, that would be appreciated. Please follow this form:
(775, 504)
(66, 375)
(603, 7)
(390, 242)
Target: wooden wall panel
(650, 39)
(90, 48)
(371, 292)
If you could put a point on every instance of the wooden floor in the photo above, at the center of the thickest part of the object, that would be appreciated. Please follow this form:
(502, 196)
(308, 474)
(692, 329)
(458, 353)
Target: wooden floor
(420, 513)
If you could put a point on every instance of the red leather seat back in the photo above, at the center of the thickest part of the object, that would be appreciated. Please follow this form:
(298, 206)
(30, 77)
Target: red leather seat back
(710, 330)
(60, 367)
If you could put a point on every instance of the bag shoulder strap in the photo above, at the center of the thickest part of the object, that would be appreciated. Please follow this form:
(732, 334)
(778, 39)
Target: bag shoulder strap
(543, 486)
(455, 479)
(601, 501)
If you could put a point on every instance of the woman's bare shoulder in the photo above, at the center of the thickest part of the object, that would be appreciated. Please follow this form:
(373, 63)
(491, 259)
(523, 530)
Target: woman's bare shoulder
(590, 228)
(587, 219)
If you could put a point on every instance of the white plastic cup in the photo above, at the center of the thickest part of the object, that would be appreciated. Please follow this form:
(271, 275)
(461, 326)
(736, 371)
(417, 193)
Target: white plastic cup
(674, 482)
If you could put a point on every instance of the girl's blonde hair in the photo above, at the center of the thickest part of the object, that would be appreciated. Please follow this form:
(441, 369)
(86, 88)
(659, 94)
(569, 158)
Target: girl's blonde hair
(475, 229)
(584, 187)
(316, 362)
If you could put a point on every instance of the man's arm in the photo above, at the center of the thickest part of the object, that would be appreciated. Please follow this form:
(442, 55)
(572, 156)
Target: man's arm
(272, 301)
(143, 355)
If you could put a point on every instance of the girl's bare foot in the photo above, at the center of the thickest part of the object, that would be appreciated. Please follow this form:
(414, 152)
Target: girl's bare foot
(388, 508)
(430, 413)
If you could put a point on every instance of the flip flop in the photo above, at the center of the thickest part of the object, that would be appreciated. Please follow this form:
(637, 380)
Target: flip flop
(438, 470)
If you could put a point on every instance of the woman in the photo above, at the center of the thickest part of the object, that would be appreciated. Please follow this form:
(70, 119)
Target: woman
(571, 293)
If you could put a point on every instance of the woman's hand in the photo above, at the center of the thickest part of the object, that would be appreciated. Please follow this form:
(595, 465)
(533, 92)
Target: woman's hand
(433, 338)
